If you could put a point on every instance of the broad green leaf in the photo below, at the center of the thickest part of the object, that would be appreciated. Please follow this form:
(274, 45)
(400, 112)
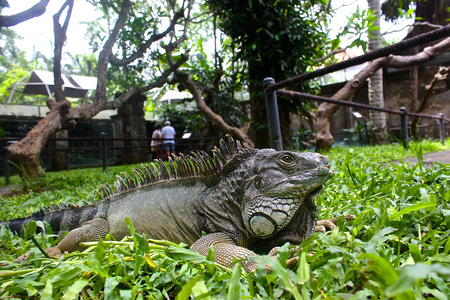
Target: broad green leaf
(110, 285)
(383, 267)
(200, 289)
(303, 271)
(381, 235)
(435, 292)
(75, 289)
(187, 289)
(415, 253)
(234, 291)
(414, 207)
(47, 293)
(100, 251)
(281, 273)
(185, 254)
(130, 225)
(31, 228)
(410, 274)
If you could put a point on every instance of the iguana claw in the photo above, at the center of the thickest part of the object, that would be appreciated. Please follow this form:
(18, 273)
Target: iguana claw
(329, 224)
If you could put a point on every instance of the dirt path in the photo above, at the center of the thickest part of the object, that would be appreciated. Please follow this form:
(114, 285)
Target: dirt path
(441, 157)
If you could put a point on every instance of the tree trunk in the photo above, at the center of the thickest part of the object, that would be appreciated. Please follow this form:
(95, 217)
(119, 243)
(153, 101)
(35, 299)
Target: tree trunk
(376, 98)
(260, 123)
(326, 110)
(25, 153)
(414, 94)
(432, 89)
(259, 126)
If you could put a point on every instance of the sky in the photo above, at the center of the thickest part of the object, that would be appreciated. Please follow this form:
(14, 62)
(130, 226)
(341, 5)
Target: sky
(38, 32)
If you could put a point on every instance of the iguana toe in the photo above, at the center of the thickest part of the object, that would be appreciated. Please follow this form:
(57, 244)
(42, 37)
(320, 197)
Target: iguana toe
(54, 252)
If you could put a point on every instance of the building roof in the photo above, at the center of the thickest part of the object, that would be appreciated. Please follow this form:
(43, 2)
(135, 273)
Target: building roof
(42, 83)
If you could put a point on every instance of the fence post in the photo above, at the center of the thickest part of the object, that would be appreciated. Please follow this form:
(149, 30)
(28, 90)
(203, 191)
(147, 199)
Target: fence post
(404, 118)
(104, 152)
(6, 164)
(272, 116)
(442, 129)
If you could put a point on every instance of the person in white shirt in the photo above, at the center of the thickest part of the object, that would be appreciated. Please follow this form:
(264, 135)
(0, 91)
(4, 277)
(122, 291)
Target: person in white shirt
(168, 134)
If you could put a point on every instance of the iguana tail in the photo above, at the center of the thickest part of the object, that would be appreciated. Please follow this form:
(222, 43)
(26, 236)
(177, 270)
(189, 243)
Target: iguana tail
(64, 218)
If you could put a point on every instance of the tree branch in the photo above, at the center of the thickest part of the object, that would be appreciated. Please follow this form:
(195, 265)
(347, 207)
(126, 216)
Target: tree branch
(163, 79)
(35, 11)
(105, 54)
(441, 75)
(326, 110)
(216, 120)
(155, 37)
(60, 38)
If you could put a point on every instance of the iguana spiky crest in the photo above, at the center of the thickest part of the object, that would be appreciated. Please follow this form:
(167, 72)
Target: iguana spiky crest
(198, 166)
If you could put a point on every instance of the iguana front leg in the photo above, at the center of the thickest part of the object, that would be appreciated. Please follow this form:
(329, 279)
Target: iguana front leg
(90, 231)
(329, 224)
(226, 251)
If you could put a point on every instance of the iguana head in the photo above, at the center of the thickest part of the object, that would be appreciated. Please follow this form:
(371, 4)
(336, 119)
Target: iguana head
(282, 181)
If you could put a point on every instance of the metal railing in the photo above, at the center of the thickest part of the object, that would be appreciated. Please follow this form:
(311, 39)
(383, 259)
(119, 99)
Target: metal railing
(271, 88)
(100, 151)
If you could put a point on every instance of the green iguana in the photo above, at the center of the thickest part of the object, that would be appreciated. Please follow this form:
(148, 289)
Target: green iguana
(245, 200)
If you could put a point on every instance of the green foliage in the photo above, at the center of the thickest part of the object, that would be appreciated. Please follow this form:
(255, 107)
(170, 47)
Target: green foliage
(204, 71)
(392, 10)
(359, 25)
(184, 117)
(276, 34)
(398, 246)
(143, 21)
(8, 80)
(14, 65)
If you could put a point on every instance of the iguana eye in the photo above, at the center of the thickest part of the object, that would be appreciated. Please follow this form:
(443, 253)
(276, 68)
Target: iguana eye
(286, 160)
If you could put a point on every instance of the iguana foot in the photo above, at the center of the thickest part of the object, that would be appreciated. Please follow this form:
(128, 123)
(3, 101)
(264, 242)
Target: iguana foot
(90, 231)
(55, 252)
(290, 263)
(329, 224)
(226, 251)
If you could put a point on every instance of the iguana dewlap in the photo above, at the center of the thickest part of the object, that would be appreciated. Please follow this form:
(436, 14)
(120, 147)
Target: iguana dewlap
(245, 200)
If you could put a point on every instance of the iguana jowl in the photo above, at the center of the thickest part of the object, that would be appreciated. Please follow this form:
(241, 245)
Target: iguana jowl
(245, 200)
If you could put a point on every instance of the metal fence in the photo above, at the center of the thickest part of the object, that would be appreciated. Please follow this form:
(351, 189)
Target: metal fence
(69, 153)
(272, 88)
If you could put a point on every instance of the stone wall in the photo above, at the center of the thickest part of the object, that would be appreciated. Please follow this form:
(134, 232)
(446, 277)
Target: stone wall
(396, 95)
(130, 124)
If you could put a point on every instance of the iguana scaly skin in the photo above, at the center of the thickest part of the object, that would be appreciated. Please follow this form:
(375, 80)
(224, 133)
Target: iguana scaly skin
(245, 200)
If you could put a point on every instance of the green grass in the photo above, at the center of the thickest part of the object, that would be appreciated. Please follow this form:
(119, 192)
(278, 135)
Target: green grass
(398, 246)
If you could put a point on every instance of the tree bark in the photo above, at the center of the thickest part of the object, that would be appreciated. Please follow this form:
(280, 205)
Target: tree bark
(414, 93)
(376, 97)
(197, 91)
(325, 111)
(25, 153)
(430, 89)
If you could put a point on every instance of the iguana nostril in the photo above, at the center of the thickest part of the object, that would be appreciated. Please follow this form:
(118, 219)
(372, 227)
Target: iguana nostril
(261, 225)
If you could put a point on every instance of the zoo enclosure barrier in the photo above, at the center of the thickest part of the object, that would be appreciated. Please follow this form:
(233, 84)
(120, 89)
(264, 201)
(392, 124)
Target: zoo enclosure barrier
(98, 151)
(271, 88)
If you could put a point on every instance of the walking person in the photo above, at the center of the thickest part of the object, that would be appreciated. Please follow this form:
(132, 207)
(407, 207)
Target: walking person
(156, 143)
(168, 133)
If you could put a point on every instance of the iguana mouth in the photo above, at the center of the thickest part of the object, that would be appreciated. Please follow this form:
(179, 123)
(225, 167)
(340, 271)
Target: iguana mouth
(274, 213)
